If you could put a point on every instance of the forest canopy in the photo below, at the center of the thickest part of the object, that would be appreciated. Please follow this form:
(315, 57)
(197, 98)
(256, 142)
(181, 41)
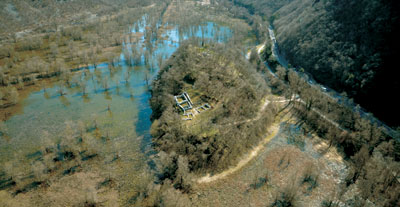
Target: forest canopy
(230, 85)
(350, 46)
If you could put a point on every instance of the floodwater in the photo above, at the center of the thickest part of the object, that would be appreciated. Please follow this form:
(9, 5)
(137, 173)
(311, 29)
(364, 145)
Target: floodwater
(112, 99)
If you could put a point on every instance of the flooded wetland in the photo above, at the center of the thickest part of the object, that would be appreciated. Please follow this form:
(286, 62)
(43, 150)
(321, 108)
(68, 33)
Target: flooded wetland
(178, 103)
(88, 129)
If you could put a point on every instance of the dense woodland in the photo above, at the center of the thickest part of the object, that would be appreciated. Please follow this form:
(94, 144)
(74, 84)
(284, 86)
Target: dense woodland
(215, 139)
(350, 46)
(347, 52)
(373, 156)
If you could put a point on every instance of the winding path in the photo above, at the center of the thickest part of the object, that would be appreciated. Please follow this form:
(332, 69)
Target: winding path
(253, 153)
(273, 131)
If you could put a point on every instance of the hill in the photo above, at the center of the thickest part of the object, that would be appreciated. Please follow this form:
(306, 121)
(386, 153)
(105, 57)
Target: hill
(350, 46)
(213, 139)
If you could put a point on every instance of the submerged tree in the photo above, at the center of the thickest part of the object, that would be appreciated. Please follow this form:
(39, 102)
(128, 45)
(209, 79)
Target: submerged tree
(13, 97)
(105, 83)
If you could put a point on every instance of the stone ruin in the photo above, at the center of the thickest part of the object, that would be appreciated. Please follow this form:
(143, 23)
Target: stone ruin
(184, 102)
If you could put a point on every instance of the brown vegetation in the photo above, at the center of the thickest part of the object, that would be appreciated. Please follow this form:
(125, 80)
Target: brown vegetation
(227, 82)
(350, 46)
(360, 140)
(48, 53)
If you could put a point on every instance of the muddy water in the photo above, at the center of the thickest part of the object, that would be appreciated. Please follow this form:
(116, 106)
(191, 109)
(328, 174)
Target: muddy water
(114, 99)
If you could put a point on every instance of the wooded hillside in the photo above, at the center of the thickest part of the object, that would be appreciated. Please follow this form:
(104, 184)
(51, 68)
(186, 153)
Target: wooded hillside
(214, 139)
(350, 46)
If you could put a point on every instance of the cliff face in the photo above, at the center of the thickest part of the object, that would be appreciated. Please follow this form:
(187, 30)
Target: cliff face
(348, 45)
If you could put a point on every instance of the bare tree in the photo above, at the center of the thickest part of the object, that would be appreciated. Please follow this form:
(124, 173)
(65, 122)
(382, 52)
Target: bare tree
(53, 50)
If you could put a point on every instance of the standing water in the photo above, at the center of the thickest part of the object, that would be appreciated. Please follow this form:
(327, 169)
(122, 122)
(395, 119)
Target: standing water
(110, 101)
